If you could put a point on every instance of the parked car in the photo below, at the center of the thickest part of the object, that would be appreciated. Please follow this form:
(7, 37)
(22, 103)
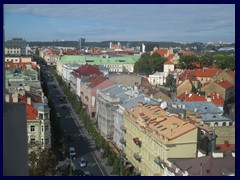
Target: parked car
(86, 173)
(72, 152)
(82, 162)
(70, 138)
(78, 172)
(58, 115)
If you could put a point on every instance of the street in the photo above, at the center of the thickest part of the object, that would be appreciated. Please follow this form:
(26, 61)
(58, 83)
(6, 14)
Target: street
(74, 128)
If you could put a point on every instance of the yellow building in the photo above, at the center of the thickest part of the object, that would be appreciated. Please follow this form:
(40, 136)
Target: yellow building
(152, 137)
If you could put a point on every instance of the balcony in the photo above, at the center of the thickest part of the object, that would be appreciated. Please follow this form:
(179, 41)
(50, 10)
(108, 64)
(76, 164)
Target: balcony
(137, 141)
(137, 156)
(158, 160)
(122, 141)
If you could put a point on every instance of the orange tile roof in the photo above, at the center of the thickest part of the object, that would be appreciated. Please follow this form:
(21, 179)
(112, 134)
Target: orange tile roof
(207, 72)
(157, 123)
(32, 113)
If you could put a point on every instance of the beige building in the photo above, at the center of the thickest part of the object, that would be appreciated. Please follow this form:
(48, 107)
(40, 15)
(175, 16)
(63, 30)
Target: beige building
(151, 137)
(185, 86)
(222, 87)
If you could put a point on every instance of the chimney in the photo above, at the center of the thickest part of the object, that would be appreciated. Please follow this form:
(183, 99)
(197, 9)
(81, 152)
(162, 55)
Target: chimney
(7, 97)
(29, 100)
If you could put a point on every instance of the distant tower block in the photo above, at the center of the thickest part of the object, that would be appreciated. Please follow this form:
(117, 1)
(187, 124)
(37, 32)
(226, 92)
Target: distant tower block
(143, 48)
(81, 43)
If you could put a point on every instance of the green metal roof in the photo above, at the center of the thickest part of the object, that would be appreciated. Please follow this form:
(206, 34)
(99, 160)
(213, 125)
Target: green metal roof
(99, 60)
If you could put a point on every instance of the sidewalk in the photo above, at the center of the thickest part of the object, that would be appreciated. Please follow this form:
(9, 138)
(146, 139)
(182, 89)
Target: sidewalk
(102, 162)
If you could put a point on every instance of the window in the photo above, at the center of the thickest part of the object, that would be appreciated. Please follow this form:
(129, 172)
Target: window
(32, 141)
(46, 115)
(42, 129)
(46, 127)
(40, 116)
(32, 128)
(42, 141)
(46, 141)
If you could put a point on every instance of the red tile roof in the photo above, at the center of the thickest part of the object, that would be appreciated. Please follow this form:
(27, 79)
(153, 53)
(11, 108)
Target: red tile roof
(95, 80)
(162, 52)
(225, 147)
(207, 72)
(216, 99)
(32, 113)
(87, 70)
(188, 53)
(224, 84)
(169, 62)
(170, 56)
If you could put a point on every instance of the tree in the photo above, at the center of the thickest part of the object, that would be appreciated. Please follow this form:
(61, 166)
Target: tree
(187, 61)
(171, 82)
(43, 163)
(149, 64)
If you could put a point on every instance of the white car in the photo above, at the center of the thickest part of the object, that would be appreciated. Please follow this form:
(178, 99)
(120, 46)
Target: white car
(72, 152)
(82, 162)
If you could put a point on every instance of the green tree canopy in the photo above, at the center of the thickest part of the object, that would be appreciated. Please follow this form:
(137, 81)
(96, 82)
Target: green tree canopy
(149, 64)
(186, 61)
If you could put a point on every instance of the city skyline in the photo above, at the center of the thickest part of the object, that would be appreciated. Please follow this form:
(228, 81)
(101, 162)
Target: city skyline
(122, 22)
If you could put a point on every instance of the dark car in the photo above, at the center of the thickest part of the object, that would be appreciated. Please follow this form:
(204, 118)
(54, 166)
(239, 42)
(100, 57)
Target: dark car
(78, 172)
(86, 173)
(70, 138)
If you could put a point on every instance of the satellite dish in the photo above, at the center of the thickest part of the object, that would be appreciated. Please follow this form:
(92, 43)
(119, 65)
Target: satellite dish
(163, 105)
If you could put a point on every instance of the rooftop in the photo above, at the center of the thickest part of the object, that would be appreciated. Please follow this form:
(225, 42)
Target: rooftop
(207, 165)
(155, 121)
(200, 107)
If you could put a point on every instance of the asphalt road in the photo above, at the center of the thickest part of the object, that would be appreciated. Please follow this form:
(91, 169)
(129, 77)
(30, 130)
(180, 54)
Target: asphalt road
(71, 127)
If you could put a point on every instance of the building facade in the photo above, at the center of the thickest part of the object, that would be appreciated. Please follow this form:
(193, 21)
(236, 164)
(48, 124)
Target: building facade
(152, 137)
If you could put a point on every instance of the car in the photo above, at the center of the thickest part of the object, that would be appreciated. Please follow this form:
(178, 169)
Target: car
(86, 173)
(78, 172)
(70, 138)
(82, 162)
(54, 86)
(72, 152)
(58, 115)
(60, 98)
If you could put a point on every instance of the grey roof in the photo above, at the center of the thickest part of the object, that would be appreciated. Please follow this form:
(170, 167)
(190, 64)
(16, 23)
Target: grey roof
(114, 90)
(102, 68)
(210, 166)
(41, 106)
(202, 107)
(214, 117)
(133, 102)
(176, 111)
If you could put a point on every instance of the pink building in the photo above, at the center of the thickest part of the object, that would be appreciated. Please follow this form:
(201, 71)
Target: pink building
(89, 89)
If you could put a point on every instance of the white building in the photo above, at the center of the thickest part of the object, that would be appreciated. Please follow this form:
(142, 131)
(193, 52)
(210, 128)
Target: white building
(67, 69)
(159, 78)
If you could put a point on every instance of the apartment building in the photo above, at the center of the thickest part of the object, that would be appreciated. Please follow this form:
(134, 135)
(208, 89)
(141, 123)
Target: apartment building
(119, 121)
(107, 103)
(89, 88)
(152, 137)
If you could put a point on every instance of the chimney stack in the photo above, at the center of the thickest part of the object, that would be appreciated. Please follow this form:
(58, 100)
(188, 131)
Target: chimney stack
(29, 100)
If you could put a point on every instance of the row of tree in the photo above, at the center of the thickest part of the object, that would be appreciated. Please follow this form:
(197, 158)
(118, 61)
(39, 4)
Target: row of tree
(218, 60)
(101, 143)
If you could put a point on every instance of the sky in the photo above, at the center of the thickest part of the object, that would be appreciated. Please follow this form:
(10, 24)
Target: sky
(120, 22)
